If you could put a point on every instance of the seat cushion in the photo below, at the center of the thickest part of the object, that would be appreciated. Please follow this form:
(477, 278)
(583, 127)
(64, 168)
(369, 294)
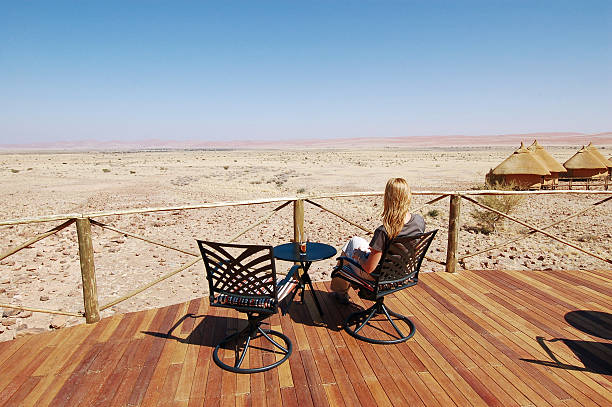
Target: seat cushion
(228, 299)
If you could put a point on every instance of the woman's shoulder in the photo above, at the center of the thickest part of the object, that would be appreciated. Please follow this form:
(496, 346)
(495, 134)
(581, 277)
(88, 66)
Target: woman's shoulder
(419, 219)
(416, 224)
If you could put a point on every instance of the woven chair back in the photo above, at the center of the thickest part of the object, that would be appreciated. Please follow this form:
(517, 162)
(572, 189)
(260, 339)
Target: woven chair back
(240, 276)
(400, 263)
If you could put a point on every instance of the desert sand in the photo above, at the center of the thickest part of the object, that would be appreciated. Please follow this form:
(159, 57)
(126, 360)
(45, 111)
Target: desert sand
(47, 274)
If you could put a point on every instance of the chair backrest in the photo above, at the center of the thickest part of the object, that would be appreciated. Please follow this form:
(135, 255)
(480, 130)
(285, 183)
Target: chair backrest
(240, 276)
(401, 261)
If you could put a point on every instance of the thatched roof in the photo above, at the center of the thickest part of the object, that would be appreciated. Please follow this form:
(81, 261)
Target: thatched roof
(550, 163)
(522, 161)
(593, 150)
(584, 159)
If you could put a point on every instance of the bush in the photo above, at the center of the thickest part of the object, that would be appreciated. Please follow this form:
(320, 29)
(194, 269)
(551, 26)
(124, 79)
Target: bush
(487, 221)
(434, 213)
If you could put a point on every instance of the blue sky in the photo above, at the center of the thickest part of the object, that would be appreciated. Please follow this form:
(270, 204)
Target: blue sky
(196, 70)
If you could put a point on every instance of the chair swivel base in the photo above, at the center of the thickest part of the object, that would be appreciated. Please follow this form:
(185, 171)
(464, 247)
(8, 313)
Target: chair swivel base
(358, 320)
(244, 338)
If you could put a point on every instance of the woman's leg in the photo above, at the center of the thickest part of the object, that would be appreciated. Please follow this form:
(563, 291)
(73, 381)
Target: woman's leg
(338, 284)
(355, 248)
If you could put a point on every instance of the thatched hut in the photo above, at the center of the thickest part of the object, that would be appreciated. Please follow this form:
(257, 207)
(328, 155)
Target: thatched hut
(593, 150)
(584, 164)
(522, 169)
(552, 165)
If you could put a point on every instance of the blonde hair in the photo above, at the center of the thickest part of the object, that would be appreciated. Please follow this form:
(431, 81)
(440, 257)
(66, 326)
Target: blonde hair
(396, 204)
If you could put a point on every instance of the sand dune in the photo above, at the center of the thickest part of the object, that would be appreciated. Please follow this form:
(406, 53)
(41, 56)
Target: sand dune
(550, 138)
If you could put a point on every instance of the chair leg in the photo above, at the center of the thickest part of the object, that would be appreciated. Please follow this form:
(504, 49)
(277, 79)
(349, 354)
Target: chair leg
(243, 339)
(358, 320)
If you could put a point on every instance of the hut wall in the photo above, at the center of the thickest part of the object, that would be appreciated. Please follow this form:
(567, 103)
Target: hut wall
(552, 179)
(586, 172)
(523, 181)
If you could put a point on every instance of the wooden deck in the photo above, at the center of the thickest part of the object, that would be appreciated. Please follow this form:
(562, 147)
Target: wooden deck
(483, 338)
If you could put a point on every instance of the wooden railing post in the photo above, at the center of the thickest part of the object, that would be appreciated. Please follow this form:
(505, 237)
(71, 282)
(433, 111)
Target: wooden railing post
(298, 220)
(88, 271)
(453, 233)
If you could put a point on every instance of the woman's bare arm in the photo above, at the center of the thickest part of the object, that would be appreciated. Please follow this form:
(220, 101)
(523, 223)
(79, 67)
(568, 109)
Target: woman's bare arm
(372, 261)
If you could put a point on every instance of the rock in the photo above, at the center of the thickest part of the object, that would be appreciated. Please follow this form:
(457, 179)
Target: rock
(44, 298)
(541, 258)
(58, 321)
(2, 290)
(10, 312)
(8, 321)
(2, 329)
(5, 281)
(24, 314)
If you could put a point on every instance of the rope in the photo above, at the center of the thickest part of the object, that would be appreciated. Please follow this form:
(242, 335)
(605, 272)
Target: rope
(46, 311)
(123, 232)
(151, 284)
(538, 230)
(533, 231)
(368, 231)
(260, 221)
(36, 239)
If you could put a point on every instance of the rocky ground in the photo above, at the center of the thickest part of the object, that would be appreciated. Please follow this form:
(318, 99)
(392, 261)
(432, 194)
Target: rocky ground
(46, 275)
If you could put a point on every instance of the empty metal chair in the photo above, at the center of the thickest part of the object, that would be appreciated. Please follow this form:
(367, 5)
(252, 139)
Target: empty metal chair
(243, 277)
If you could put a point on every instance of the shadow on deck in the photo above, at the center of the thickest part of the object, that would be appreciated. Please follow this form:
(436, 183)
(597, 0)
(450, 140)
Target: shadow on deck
(483, 338)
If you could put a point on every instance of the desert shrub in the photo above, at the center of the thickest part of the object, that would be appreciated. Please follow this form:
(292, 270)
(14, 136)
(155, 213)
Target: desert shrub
(132, 172)
(14, 171)
(225, 167)
(433, 213)
(487, 221)
(106, 170)
(301, 190)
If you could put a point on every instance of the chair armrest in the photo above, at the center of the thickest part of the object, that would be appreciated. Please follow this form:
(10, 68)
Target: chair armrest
(342, 259)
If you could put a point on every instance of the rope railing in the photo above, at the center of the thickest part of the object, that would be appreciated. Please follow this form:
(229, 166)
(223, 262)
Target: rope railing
(49, 218)
(86, 251)
(531, 232)
(185, 267)
(520, 222)
(144, 239)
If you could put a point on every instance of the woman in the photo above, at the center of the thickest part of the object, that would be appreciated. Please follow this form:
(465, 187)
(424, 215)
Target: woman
(397, 221)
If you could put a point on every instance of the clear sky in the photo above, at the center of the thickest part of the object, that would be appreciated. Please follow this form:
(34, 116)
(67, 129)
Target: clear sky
(236, 70)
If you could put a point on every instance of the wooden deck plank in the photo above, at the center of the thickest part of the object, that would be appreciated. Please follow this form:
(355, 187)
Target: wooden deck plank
(544, 378)
(398, 390)
(471, 322)
(588, 385)
(561, 379)
(476, 335)
(477, 350)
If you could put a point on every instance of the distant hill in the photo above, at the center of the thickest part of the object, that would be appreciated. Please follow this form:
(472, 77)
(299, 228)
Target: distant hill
(551, 139)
